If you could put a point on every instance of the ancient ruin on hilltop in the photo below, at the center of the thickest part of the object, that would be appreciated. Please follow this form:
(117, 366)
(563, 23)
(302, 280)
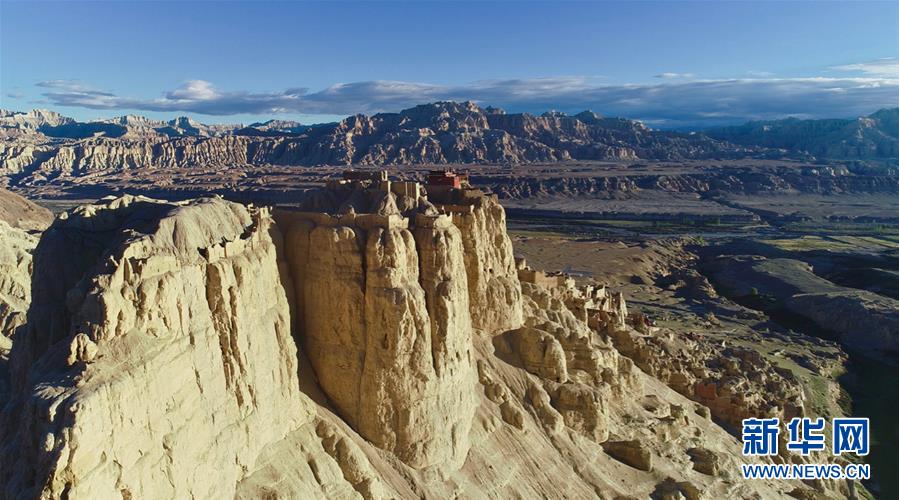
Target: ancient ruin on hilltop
(377, 341)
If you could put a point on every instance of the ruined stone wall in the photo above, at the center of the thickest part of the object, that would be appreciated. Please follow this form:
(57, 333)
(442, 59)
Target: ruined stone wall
(539, 278)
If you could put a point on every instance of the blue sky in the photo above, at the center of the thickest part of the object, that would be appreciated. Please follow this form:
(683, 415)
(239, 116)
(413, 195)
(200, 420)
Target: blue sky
(669, 63)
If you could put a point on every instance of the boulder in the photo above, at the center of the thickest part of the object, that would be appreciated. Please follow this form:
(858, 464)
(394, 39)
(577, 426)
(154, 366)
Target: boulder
(630, 452)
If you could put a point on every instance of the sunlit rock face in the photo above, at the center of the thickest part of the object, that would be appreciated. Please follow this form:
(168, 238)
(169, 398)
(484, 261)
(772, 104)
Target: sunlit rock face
(377, 342)
(490, 265)
(388, 291)
(16, 246)
(386, 323)
(158, 359)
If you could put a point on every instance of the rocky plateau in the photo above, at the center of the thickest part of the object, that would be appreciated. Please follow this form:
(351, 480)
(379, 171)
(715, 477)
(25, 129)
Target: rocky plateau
(41, 144)
(377, 340)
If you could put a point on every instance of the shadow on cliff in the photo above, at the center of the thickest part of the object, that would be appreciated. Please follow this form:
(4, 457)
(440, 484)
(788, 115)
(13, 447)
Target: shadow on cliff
(305, 373)
(66, 253)
(504, 349)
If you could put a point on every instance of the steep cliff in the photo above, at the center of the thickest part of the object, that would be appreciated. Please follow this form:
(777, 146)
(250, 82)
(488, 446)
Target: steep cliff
(490, 266)
(160, 360)
(157, 359)
(20, 220)
(390, 346)
(15, 281)
(383, 300)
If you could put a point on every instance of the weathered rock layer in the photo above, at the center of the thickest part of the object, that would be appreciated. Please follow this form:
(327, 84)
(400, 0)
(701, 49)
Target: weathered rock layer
(165, 325)
(390, 348)
(160, 360)
(46, 145)
(15, 280)
(383, 304)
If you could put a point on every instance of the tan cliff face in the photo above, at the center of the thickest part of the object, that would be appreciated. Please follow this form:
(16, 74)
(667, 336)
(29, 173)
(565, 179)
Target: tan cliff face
(490, 266)
(15, 281)
(213, 350)
(152, 319)
(20, 220)
(384, 311)
(385, 324)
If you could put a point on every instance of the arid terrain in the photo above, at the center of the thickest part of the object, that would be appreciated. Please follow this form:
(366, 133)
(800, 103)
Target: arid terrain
(400, 250)
(693, 285)
(563, 329)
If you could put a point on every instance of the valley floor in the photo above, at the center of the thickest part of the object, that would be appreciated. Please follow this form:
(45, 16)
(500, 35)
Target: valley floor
(658, 269)
(730, 284)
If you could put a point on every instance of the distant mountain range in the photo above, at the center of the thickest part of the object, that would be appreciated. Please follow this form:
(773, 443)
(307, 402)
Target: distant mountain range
(872, 136)
(52, 124)
(40, 143)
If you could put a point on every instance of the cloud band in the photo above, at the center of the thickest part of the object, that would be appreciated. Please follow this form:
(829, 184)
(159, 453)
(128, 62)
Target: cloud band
(665, 104)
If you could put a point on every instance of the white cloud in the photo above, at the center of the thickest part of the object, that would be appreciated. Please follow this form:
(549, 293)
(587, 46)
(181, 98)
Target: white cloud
(198, 90)
(887, 67)
(673, 103)
(669, 75)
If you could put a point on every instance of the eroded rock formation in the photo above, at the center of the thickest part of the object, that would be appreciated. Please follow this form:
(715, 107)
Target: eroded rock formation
(157, 359)
(383, 301)
(47, 145)
(210, 349)
(19, 221)
(386, 325)
(15, 281)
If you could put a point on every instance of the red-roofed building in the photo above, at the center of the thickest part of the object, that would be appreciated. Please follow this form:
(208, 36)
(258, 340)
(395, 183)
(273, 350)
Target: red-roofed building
(446, 178)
